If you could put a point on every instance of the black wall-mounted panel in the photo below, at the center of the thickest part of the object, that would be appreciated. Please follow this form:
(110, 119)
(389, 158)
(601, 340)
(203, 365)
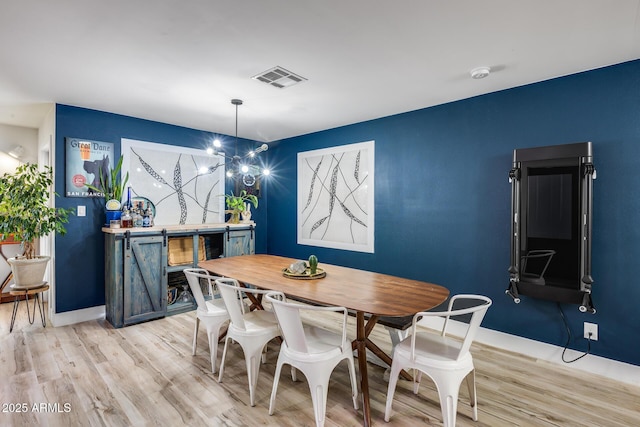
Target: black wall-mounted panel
(551, 223)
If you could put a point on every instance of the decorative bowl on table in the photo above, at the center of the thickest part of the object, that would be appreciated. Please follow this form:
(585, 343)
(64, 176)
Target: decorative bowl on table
(306, 274)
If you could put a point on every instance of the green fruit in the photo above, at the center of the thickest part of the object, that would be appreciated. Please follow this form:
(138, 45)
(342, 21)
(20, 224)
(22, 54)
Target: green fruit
(313, 264)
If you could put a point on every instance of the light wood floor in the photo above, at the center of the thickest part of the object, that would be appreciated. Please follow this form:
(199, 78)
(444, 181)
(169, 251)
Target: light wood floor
(91, 374)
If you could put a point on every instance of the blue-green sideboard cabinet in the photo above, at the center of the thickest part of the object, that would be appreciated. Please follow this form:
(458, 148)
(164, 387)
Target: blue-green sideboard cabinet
(137, 265)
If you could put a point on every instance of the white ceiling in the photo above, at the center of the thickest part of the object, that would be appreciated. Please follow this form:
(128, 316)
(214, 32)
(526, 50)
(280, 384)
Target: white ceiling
(181, 62)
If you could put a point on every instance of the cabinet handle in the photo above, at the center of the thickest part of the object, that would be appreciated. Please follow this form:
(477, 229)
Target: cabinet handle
(127, 236)
(251, 228)
(228, 233)
(164, 237)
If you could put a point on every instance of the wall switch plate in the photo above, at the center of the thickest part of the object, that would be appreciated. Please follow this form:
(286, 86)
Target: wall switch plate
(82, 210)
(591, 328)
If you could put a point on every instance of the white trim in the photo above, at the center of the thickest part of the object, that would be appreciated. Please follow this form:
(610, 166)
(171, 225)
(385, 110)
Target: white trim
(77, 316)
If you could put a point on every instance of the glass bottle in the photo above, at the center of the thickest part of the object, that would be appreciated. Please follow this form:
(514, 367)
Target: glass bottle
(137, 218)
(151, 223)
(126, 220)
(145, 219)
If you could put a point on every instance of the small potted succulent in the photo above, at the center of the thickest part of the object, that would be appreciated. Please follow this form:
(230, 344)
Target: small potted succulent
(26, 215)
(238, 204)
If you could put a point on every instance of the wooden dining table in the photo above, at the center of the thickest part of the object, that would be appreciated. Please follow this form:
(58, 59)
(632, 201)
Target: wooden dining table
(368, 294)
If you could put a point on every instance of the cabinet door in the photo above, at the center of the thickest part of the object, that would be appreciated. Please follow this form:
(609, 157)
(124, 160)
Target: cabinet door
(145, 279)
(239, 242)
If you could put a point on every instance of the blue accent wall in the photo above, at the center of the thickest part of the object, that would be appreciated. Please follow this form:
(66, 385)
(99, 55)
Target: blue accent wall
(79, 255)
(443, 199)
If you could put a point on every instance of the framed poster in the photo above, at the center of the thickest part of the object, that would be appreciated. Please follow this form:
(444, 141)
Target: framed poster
(183, 185)
(336, 197)
(84, 161)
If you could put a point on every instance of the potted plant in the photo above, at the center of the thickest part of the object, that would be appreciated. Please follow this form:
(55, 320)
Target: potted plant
(112, 187)
(237, 204)
(25, 213)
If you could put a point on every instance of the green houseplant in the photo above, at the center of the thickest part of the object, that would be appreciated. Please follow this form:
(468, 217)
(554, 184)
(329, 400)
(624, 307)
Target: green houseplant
(113, 186)
(237, 204)
(26, 215)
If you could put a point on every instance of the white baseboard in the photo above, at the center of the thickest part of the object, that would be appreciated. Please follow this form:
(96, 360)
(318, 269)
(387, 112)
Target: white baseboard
(77, 316)
(619, 371)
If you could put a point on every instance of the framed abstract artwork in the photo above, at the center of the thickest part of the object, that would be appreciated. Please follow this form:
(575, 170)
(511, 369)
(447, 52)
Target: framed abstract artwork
(184, 185)
(336, 197)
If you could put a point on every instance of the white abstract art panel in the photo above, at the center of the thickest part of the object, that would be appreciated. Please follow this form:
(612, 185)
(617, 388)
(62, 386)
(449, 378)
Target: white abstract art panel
(336, 197)
(171, 178)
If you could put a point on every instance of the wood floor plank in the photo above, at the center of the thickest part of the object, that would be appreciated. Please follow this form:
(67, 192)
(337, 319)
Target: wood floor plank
(145, 375)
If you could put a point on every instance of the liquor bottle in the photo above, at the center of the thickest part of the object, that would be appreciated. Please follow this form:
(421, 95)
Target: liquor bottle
(137, 218)
(150, 213)
(145, 219)
(126, 221)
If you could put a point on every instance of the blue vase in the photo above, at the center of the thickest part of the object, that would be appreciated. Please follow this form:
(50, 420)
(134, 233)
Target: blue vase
(112, 215)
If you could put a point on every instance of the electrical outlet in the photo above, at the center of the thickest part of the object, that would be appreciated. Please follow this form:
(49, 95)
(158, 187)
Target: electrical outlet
(82, 210)
(591, 328)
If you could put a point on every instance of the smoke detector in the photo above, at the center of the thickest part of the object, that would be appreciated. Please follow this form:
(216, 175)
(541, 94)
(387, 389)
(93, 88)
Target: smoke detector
(480, 72)
(279, 77)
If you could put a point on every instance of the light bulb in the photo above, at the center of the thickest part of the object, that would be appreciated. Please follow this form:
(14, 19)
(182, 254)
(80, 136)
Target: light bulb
(210, 151)
(204, 170)
(229, 174)
(244, 168)
(263, 147)
(266, 172)
(217, 143)
(252, 153)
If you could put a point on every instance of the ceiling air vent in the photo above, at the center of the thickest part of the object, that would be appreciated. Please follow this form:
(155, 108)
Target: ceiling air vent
(279, 77)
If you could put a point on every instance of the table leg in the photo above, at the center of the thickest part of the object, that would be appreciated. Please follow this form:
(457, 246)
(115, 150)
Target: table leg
(362, 365)
(16, 304)
(43, 316)
(256, 302)
(375, 349)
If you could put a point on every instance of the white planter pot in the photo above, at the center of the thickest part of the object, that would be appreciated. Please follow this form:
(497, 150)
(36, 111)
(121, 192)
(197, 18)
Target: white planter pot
(28, 273)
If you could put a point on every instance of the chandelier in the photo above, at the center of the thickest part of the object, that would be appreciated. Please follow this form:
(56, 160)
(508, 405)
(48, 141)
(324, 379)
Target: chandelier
(240, 168)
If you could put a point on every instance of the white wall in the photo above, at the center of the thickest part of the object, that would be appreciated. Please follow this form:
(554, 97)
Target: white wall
(10, 136)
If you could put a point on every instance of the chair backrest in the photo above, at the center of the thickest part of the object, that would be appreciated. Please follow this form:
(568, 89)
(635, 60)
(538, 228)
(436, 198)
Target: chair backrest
(475, 305)
(290, 321)
(193, 277)
(233, 296)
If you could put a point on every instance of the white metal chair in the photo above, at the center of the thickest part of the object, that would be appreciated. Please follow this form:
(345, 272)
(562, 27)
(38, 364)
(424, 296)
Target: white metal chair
(313, 350)
(212, 313)
(446, 360)
(251, 329)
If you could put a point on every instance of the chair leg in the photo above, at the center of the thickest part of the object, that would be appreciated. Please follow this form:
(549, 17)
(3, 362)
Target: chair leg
(213, 333)
(319, 398)
(354, 382)
(224, 355)
(417, 377)
(274, 389)
(195, 336)
(448, 389)
(253, 369)
(393, 380)
(473, 396)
